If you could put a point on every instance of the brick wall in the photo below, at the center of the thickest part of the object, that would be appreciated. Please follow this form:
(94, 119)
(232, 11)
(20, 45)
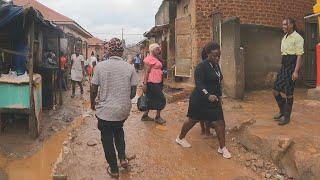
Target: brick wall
(259, 12)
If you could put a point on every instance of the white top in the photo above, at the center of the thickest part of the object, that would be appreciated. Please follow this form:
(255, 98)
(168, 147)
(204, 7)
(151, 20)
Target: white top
(76, 69)
(92, 59)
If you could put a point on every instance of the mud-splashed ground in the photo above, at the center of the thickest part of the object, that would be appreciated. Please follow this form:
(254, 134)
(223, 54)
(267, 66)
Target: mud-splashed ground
(158, 157)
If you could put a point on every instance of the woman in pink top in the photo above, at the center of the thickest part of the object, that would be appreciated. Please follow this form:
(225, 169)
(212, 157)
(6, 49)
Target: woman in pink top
(152, 84)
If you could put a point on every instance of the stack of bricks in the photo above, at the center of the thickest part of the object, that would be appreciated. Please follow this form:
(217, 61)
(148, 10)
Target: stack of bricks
(258, 12)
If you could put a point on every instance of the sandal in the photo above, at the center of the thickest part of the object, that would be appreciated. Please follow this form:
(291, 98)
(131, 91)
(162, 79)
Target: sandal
(160, 121)
(124, 163)
(112, 175)
(146, 118)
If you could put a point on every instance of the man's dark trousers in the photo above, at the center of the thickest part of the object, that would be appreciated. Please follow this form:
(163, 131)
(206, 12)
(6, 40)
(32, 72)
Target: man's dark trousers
(112, 133)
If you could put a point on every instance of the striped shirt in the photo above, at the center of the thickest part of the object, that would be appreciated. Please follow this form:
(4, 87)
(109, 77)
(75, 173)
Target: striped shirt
(114, 78)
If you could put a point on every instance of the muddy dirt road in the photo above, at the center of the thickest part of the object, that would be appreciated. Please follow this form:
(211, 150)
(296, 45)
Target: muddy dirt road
(158, 157)
(63, 149)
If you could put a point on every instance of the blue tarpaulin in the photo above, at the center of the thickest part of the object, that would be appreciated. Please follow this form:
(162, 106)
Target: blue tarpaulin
(8, 13)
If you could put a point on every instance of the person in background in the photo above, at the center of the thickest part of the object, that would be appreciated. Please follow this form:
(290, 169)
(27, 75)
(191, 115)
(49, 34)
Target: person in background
(117, 83)
(62, 71)
(130, 60)
(292, 50)
(153, 84)
(98, 58)
(93, 60)
(77, 71)
(205, 102)
(137, 62)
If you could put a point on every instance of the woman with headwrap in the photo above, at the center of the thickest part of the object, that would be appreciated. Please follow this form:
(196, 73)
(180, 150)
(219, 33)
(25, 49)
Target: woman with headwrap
(153, 85)
(116, 81)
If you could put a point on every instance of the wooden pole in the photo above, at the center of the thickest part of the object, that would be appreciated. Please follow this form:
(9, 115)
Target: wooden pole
(33, 128)
(61, 74)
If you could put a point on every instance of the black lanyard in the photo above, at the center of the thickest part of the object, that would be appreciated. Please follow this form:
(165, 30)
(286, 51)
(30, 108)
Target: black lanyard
(217, 72)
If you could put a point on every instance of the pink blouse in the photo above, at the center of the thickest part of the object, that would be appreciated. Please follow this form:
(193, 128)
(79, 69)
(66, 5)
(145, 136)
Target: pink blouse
(155, 75)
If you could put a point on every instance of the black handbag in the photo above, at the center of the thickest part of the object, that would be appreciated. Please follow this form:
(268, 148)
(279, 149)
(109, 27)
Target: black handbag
(142, 103)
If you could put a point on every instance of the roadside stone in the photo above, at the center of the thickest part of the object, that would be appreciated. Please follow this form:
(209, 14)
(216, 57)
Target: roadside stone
(243, 178)
(254, 168)
(79, 143)
(65, 143)
(237, 106)
(280, 177)
(54, 128)
(59, 177)
(268, 175)
(66, 150)
(259, 164)
(247, 163)
(92, 143)
(284, 143)
(69, 119)
(252, 157)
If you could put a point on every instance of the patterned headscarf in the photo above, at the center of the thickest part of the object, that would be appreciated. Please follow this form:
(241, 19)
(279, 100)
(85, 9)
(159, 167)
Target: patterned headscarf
(114, 47)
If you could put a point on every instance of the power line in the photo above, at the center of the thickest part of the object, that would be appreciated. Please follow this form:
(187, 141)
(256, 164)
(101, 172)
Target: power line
(119, 34)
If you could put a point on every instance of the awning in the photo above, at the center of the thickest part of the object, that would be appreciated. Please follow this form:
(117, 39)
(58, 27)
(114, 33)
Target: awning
(9, 13)
(156, 30)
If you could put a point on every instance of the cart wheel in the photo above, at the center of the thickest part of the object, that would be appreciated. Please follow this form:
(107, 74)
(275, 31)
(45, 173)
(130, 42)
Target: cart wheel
(33, 126)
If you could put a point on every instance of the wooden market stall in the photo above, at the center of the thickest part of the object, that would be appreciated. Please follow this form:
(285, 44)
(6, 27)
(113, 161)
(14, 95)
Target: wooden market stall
(22, 34)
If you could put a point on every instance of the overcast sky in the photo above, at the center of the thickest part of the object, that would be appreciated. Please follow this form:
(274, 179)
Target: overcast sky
(106, 18)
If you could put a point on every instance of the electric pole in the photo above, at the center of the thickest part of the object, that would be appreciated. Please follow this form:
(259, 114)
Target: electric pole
(122, 34)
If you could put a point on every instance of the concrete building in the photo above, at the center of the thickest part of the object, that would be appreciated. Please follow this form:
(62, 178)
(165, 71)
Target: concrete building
(75, 34)
(249, 32)
(96, 45)
(163, 32)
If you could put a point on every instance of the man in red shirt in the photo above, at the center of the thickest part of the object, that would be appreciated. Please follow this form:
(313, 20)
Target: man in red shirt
(62, 71)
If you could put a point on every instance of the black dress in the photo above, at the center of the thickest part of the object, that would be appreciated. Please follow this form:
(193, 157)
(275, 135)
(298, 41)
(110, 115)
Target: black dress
(156, 98)
(284, 82)
(207, 78)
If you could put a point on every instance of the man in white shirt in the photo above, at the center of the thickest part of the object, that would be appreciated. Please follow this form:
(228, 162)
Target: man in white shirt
(77, 71)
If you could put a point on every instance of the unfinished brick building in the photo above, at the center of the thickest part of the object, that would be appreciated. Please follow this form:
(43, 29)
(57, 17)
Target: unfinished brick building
(248, 30)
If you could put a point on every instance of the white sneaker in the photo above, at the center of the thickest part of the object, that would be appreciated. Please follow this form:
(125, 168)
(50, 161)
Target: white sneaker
(224, 151)
(183, 142)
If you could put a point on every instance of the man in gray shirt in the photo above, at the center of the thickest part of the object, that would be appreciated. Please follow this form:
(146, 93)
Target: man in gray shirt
(117, 82)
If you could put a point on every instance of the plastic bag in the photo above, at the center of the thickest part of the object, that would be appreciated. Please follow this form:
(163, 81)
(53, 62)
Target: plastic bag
(142, 103)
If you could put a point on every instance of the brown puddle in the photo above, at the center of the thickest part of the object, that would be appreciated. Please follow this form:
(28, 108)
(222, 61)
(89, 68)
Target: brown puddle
(39, 166)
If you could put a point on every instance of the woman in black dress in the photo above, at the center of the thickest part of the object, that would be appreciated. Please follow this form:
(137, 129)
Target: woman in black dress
(205, 102)
(204, 130)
